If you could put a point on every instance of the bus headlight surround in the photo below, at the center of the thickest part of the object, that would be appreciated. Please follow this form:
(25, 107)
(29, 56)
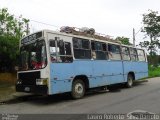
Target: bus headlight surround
(42, 81)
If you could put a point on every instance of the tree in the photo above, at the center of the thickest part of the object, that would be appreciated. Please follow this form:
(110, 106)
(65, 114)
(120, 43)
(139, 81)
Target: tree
(11, 31)
(123, 40)
(151, 26)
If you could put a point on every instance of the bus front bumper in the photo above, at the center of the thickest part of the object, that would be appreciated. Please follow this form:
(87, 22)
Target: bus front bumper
(36, 89)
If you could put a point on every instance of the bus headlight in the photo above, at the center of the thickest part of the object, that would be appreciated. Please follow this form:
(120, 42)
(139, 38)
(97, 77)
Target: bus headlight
(42, 81)
(19, 82)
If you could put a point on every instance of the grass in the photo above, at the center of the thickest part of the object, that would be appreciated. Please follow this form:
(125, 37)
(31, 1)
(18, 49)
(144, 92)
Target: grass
(154, 71)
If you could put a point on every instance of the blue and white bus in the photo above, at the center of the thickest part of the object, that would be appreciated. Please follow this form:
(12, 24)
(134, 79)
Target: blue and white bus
(56, 62)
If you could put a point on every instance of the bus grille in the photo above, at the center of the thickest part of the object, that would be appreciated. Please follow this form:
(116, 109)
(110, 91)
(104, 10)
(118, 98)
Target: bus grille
(29, 78)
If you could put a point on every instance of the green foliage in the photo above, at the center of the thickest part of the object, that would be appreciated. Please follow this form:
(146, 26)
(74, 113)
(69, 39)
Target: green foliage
(123, 40)
(154, 71)
(151, 23)
(153, 60)
(11, 31)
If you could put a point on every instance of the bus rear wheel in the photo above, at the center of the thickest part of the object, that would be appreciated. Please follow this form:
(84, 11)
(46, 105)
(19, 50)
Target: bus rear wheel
(78, 89)
(129, 83)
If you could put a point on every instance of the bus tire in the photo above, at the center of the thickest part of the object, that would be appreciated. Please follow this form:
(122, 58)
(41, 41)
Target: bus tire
(129, 82)
(78, 89)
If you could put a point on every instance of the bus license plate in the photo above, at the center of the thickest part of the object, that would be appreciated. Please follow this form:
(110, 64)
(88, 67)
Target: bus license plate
(27, 89)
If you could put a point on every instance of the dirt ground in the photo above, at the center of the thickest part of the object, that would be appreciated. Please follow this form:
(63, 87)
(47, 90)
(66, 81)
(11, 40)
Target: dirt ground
(6, 91)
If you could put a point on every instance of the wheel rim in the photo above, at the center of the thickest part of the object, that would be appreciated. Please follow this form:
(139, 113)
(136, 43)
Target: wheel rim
(79, 88)
(130, 82)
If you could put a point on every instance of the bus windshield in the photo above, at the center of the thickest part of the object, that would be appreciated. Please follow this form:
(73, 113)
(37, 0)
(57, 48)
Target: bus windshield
(33, 56)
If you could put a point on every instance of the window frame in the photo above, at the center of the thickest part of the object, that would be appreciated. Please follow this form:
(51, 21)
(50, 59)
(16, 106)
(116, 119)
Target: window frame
(110, 53)
(80, 49)
(58, 56)
(96, 51)
(144, 56)
(123, 53)
(131, 54)
(29, 59)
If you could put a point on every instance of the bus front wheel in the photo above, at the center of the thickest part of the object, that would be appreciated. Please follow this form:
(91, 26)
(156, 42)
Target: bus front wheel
(129, 83)
(78, 89)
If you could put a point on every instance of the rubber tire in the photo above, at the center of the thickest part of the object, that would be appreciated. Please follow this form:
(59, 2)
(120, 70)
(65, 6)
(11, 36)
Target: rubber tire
(129, 79)
(74, 94)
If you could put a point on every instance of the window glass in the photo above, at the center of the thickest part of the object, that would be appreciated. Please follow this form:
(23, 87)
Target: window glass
(82, 54)
(81, 48)
(68, 48)
(52, 48)
(93, 45)
(60, 48)
(133, 53)
(125, 53)
(114, 48)
(98, 46)
(33, 56)
(77, 43)
(61, 52)
(114, 52)
(85, 44)
(141, 55)
(99, 50)
(104, 47)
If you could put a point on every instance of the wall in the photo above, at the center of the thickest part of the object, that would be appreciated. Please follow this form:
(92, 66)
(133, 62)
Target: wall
(8, 77)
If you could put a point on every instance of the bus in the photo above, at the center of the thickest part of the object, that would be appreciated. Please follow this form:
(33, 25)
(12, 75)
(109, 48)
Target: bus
(53, 62)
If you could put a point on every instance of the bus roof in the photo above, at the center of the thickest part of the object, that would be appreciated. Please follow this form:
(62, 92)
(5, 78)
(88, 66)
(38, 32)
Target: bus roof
(83, 36)
(87, 37)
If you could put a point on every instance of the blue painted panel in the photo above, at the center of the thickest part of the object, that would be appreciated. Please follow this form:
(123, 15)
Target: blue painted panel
(99, 73)
(61, 73)
(97, 81)
(112, 71)
(116, 69)
(141, 75)
(61, 86)
(139, 68)
(106, 72)
(83, 67)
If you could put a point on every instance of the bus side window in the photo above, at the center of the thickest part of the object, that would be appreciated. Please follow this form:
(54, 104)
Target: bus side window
(99, 50)
(94, 56)
(68, 53)
(61, 53)
(125, 53)
(114, 52)
(81, 48)
(60, 47)
(64, 53)
(133, 53)
(141, 55)
(52, 51)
